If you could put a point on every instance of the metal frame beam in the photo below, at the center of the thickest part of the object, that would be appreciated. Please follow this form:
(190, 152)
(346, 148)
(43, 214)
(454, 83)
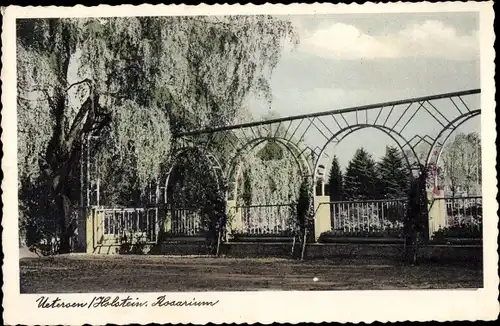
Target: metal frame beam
(319, 114)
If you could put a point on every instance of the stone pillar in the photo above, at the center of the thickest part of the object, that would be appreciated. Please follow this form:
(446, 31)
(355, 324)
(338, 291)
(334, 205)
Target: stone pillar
(322, 219)
(437, 212)
(235, 221)
(167, 224)
(89, 231)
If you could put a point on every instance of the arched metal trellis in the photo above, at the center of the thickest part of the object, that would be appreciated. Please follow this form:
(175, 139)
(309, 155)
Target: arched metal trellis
(234, 166)
(416, 125)
(402, 143)
(441, 139)
(213, 164)
(188, 219)
(410, 123)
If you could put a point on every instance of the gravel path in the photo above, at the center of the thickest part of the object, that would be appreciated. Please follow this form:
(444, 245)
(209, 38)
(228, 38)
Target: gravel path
(90, 273)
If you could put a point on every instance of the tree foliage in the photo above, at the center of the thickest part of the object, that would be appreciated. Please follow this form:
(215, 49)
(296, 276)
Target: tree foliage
(191, 182)
(272, 180)
(461, 160)
(270, 175)
(335, 181)
(393, 174)
(271, 151)
(305, 214)
(305, 211)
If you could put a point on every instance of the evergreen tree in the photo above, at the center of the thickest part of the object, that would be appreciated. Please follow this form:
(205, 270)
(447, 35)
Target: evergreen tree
(335, 181)
(361, 179)
(393, 174)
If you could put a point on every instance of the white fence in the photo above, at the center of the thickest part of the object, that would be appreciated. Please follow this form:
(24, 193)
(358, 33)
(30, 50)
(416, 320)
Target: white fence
(130, 221)
(268, 219)
(185, 221)
(368, 216)
(463, 212)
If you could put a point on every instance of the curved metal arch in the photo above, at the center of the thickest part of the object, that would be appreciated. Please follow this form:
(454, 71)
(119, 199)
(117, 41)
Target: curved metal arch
(253, 143)
(214, 167)
(345, 136)
(354, 128)
(458, 121)
(212, 139)
(329, 162)
(234, 167)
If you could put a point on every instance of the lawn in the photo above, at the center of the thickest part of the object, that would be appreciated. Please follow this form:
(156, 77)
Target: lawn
(129, 273)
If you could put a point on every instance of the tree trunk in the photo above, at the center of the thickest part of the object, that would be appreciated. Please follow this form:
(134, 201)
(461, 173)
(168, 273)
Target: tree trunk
(63, 153)
(64, 213)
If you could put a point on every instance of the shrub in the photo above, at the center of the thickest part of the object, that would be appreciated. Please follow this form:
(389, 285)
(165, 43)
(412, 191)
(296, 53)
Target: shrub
(464, 231)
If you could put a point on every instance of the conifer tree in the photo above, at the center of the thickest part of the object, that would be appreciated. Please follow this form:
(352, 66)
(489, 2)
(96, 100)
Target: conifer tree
(393, 174)
(335, 181)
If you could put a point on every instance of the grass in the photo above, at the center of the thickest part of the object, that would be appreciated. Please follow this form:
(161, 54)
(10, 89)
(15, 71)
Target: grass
(129, 273)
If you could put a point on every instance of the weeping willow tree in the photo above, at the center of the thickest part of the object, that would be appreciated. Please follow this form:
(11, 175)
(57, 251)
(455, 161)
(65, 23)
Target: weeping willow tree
(131, 82)
(269, 179)
(270, 175)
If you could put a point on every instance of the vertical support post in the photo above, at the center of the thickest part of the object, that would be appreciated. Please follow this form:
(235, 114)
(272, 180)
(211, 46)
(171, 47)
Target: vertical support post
(168, 219)
(234, 215)
(156, 226)
(98, 190)
(87, 183)
(94, 229)
(437, 212)
(89, 232)
(81, 221)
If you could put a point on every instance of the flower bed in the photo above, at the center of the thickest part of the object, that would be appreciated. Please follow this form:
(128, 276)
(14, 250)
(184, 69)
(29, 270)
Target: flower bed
(350, 236)
(459, 234)
(283, 236)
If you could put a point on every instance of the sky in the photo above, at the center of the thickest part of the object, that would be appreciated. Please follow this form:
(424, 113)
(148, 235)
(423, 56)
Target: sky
(347, 60)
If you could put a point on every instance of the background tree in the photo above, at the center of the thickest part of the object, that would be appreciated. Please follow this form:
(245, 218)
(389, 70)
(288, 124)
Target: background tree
(335, 181)
(393, 174)
(247, 188)
(271, 151)
(131, 81)
(269, 175)
(192, 182)
(461, 161)
(361, 179)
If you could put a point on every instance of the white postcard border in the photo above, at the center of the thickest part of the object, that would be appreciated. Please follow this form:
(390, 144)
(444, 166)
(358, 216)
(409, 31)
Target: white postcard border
(250, 307)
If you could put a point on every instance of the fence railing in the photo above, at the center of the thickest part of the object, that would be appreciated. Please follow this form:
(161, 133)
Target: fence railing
(185, 221)
(140, 222)
(276, 219)
(384, 217)
(463, 212)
